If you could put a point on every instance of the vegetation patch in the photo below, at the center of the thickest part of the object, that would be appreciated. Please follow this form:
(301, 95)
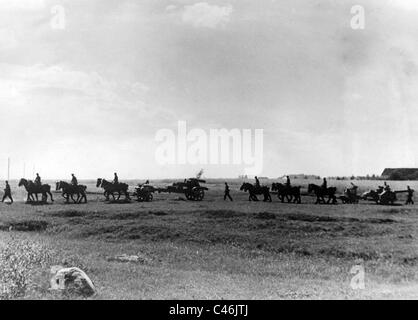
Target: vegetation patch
(20, 261)
(70, 213)
(221, 214)
(25, 226)
(265, 216)
(159, 213)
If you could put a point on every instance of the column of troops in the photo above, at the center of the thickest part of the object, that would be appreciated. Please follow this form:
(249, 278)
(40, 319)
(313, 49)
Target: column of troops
(351, 192)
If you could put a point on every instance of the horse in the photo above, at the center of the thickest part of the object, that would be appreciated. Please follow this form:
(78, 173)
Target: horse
(110, 188)
(253, 192)
(69, 190)
(33, 189)
(320, 192)
(291, 193)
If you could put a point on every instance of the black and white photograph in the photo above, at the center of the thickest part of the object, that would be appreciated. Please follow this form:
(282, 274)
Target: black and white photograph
(208, 150)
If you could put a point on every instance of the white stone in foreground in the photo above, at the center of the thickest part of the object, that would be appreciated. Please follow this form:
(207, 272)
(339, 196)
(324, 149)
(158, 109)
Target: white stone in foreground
(71, 280)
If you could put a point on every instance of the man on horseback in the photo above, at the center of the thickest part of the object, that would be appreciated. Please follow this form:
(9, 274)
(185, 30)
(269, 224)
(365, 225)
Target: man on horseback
(287, 182)
(74, 181)
(324, 185)
(38, 180)
(7, 193)
(257, 183)
(116, 179)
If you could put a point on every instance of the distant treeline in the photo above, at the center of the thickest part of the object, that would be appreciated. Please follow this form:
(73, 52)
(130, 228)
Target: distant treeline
(394, 176)
(366, 177)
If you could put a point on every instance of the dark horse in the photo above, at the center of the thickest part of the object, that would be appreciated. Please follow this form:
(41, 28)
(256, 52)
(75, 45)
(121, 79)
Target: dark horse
(34, 189)
(291, 193)
(253, 192)
(69, 190)
(112, 188)
(321, 193)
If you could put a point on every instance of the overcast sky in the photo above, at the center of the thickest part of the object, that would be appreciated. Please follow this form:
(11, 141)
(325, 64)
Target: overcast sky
(90, 98)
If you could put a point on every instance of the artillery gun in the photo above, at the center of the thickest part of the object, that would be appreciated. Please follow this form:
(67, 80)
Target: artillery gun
(384, 198)
(191, 188)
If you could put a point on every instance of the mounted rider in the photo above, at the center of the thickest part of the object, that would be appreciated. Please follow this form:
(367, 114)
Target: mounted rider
(116, 179)
(38, 181)
(287, 181)
(74, 181)
(257, 183)
(324, 185)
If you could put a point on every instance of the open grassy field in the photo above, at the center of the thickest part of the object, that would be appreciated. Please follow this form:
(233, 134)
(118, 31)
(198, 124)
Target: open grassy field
(223, 250)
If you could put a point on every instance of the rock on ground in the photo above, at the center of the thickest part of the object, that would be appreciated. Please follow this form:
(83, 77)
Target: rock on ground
(72, 281)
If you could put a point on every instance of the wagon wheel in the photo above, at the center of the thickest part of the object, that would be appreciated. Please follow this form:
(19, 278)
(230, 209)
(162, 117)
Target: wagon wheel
(189, 195)
(199, 195)
(149, 197)
(140, 198)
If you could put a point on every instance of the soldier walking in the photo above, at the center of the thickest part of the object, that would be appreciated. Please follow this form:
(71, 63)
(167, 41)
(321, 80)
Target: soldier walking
(410, 199)
(227, 195)
(7, 193)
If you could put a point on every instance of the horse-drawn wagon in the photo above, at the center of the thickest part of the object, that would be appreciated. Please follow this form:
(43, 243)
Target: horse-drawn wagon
(350, 196)
(144, 193)
(191, 188)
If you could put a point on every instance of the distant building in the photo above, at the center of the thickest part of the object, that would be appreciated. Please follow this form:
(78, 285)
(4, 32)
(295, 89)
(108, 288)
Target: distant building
(400, 174)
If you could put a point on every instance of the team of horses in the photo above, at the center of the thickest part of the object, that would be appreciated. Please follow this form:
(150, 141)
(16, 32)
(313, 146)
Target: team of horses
(291, 194)
(69, 190)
